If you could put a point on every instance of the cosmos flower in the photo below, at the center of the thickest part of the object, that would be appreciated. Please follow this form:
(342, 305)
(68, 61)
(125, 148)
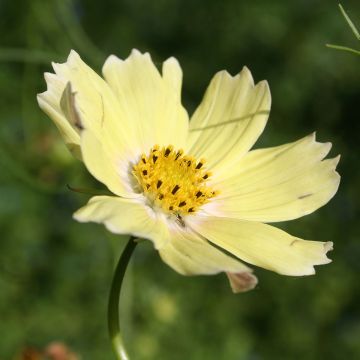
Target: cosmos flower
(194, 188)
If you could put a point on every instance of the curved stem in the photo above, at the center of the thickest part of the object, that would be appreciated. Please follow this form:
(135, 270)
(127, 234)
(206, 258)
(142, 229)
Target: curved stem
(113, 306)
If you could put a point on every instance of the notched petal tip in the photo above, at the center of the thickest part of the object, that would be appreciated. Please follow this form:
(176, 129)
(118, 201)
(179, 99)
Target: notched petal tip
(245, 72)
(172, 75)
(245, 69)
(332, 164)
(263, 88)
(113, 58)
(312, 135)
(78, 216)
(48, 76)
(41, 98)
(73, 53)
(71, 61)
(73, 58)
(326, 145)
(336, 160)
(242, 282)
(135, 52)
(50, 80)
(264, 85)
(321, 149)
(171, 62)
(171, 65)
(328, 246)
(172, 59)
(222, 74)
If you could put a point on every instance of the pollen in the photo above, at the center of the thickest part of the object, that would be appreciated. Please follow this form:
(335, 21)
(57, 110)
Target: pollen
(172, 181)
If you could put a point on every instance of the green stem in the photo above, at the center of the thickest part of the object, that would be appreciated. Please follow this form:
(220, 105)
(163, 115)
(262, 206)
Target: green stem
(113, 307)
(343, 48)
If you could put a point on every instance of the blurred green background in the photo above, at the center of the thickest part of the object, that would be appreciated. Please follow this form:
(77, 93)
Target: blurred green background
(55, 273)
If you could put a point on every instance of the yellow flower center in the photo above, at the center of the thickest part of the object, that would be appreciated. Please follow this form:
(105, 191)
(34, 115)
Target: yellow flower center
(172, 181)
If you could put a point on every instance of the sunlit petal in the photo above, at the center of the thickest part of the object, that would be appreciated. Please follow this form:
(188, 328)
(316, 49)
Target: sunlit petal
(229, 120)
(151, 102)
(278, 184)
(190, 254)
(124, 216)
(263, 245)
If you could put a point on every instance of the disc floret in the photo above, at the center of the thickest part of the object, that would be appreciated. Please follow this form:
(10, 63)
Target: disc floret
(173, 181)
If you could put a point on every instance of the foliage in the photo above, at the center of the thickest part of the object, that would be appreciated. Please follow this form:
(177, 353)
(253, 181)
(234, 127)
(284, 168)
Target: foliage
(353, 29)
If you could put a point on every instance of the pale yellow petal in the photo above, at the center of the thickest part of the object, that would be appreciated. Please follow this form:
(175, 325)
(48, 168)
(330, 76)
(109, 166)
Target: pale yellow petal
(96, 106)
(49, 102)
(263, 245)
(172, 76)
(229, 120)
(112, 168)
(277, 184)
(150, 101)
(124, 216)
(189, 254)
(88, 104)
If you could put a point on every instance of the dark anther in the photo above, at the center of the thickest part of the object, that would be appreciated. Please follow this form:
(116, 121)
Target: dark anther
(147, 186)
(198, 194)
(183, 203)
(167, 152)
(158, 184)
(144, 172)
(191, 210)
(155, 158)
(199, 165)
(178, 155)
(189, 163)
(171, 207)
(175, 189)
(161, 196)
(205, 176)
(143, 160)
